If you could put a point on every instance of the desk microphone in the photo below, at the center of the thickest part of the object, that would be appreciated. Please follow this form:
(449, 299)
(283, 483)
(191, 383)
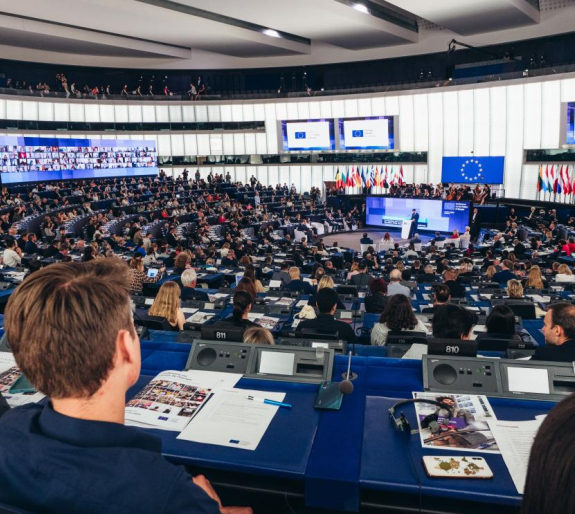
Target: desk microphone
(355, 306)
(346, 386)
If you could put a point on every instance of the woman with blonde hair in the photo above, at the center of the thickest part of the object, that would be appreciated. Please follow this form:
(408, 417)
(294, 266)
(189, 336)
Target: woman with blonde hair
(258, 335)
(491, 270)
(325, 281)
(514, 289)
(564, 274)
(167, 305)
(535, 280)
(354, 270)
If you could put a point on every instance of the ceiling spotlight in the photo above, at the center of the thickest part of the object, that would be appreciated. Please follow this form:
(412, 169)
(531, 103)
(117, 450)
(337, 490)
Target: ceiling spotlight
(361, 8)
(271, 33)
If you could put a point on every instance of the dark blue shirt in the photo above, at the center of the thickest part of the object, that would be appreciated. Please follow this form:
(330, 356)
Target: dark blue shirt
(504, 276)
(54, 463)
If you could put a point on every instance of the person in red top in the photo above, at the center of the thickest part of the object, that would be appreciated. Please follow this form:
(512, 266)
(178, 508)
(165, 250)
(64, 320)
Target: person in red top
(564, 247)
(571, 245)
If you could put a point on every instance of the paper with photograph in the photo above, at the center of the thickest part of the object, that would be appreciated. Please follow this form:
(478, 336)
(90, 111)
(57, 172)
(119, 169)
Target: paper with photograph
(9, 373)
(466, 430)
(171, 399)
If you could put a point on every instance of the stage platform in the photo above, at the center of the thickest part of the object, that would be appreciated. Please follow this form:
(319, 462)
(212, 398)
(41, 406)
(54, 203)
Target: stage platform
(351, 239)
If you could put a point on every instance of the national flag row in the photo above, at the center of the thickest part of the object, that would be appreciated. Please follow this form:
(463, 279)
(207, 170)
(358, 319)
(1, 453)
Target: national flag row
(557, 179)
(369, 176)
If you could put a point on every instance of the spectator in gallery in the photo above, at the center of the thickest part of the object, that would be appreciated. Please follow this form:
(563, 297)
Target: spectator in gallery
(124, 91)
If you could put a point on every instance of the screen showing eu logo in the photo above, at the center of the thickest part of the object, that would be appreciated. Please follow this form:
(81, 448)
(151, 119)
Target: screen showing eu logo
(300, 135)
(473, 170)
(357, 133)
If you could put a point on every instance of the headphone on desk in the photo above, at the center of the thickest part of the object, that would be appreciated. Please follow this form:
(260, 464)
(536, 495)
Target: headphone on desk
(429, 421)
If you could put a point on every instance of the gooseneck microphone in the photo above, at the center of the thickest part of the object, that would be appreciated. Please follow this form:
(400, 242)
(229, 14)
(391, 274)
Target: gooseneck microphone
(346, 385)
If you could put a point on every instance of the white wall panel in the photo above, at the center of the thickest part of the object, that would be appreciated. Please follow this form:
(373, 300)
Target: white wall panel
(450, 124)
(30, 110)
(391, 105)
(248, 110)
(62, 111)
(407, 124)
(568, 90)
(303, 110)
(148, 114)
(550, 114)
(294, 177)
(204, 144)
(216, 144)
(175, 113)
(121, 113)
(261, 173)
(338, 109)
(498, 115)
(261, 143)
(214, 113)
(250, 139)
(178, 147)
(226, 112)
(514, 150)
(77, 112)
(241, 174)
(188, 114)
(465, 122)
(164, 145)
(273, 175)
(350, 108)
(435, 152)
(481, 122)
(201, 113)
(14, 110)
(92, 112)
(190, 144)
(325, 109)
(134, 113)
(305, 179)
(237, 112)
(3, 108)
(292, 111)
(228, 142)
(259, 112)
(364, 107)
(239, 144)
(162, 114)
(271, 128)
(532, 117)
(314, 110)
(106, 112)
(378, 106)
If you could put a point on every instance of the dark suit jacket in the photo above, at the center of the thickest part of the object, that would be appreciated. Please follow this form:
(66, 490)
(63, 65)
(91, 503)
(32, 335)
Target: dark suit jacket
(561, 353)
(457, 290)
(328, 323)
(299, 285)
(360, 280)
(503, 276)
(190, 293)
(375, 303)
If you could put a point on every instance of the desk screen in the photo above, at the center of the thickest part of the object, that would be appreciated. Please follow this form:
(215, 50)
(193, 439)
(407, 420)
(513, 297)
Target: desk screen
(276, 363)
(528, 380)
(38, 159)
(434, 215)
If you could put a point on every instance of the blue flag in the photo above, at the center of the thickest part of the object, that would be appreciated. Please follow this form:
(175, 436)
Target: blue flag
(473, 170)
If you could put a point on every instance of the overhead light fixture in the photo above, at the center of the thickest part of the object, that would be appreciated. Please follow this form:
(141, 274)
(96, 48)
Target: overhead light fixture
(361, 8)
(271, 33)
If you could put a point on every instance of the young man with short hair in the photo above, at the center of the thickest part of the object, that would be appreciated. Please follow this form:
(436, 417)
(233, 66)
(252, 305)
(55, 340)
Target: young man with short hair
(71, 330)
(559, 331)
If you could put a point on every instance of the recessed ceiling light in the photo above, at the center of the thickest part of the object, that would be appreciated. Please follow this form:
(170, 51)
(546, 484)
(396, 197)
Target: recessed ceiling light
(271, 33)
(362, 8)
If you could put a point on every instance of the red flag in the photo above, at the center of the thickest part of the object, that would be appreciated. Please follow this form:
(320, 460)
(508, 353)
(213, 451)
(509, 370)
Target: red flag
(349, 182)
(567, 182)
(401, 181)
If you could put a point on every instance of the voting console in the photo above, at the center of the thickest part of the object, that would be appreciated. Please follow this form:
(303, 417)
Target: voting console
(529, 380)
(282, 363)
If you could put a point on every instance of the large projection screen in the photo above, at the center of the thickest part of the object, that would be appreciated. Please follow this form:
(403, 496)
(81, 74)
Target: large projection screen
(434, 215)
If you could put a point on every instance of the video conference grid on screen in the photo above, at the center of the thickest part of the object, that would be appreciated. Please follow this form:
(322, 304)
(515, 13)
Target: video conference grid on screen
(373, 133)
(434, 215)
(29, 159)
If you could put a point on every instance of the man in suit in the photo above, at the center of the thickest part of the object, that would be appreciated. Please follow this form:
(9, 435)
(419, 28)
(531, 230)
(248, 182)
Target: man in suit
(283, 274)
(297, 284)
(366, 240)
(559, 331)
(414, 223)
(362, 279)
(171, 238)
(428, 276)
(394, 286)
(519, 248)
(189, 281)
(475, 224)
(505, 274)
(450, 280)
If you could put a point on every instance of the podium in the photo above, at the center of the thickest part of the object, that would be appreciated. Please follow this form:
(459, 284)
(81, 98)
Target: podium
(405, 228)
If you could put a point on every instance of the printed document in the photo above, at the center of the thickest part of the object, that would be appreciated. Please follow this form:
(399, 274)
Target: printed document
(9, 373)
(230, 419)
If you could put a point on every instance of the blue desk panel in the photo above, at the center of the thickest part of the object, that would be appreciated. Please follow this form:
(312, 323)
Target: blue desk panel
(385, 459)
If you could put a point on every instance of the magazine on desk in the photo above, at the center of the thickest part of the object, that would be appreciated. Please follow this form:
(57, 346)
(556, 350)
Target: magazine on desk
(170, 400)
(466, 430)
(9, 373)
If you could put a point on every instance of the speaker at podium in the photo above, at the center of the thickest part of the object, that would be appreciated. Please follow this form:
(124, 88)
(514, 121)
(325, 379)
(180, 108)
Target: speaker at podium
(405, 228)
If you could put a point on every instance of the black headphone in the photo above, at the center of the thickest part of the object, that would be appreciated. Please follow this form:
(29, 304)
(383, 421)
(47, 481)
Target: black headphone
(429, 421)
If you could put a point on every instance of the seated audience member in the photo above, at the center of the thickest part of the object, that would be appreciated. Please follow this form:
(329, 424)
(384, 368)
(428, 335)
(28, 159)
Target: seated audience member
(283, 274)
(230, 260)
(138, 276)
(515, 289)
(353, 270)
(362, 279)
(189, 282)
(387, 240)
(181, 263)
(296, 283)
(453, 322)
(250, 273)
(31, 247)
(428, 276)
(564, 274)
(551, 470)
(329, 268)
(535, 280)
(12, 255)
(450, 280)
(500, 324)
(394, 287)
(398, 316)
(167, 305)
(559, 332)
(247, 285)
(327, 305)
(505, 275)
(242, 305)
(325, 281)
(258, 335)
(80, 443)
(490, 272)
(376, 300)
(441, 296)
(365, 240)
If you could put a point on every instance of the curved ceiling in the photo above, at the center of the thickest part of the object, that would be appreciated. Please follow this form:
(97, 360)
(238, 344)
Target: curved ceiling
(213, 34)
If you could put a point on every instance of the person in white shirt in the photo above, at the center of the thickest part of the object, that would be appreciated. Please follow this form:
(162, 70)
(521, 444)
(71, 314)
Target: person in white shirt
(564, 274)
(12, 255)
(398, 316)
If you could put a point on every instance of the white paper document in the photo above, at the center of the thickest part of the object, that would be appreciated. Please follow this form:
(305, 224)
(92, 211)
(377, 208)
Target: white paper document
(301, 304)
(230, 419)
(189, 310)
(515, 439)
(200, 318)
(9, 373)
(170, 400)
(275, 283)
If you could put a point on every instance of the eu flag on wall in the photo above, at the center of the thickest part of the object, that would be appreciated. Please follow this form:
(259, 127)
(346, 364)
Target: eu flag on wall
(473, 170)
